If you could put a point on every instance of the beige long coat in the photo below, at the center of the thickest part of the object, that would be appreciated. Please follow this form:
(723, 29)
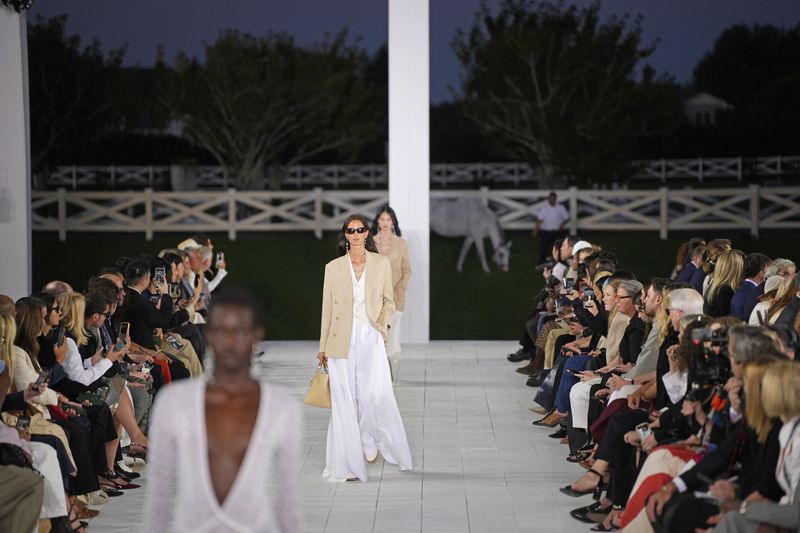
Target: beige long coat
(401, 269)
(337, 302)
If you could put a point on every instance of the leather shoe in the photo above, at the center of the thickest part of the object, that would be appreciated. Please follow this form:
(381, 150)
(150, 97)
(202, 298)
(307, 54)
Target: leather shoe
(536, 381)
(519, 355)
(589, 514)
(538, 410)
(550, 421)
(529, 370)
(559, 434)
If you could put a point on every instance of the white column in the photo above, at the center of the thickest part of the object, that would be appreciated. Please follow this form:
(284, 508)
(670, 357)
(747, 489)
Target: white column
(15, 182)
(409, 158)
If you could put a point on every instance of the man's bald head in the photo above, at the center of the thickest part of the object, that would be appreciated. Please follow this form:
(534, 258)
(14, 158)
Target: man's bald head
(57, 288)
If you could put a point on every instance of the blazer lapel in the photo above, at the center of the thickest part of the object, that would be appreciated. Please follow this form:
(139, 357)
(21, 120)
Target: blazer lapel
(368, 271)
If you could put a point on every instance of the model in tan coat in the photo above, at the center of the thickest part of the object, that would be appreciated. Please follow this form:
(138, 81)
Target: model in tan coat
(390, 243)
(357, 305)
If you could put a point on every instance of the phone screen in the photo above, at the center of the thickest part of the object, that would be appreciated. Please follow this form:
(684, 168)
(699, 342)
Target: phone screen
(220, 256)
(60, 338)
(23, 422)
(123, 329)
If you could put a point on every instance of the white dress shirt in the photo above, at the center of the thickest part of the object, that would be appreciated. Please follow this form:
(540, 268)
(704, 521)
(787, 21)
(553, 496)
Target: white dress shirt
(552, 216)
(74, 366)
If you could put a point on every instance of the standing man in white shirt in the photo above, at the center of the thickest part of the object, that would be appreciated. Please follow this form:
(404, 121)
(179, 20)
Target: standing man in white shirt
(550, 223)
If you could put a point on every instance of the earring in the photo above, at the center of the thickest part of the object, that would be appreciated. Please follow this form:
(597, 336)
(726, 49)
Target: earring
(347, 246)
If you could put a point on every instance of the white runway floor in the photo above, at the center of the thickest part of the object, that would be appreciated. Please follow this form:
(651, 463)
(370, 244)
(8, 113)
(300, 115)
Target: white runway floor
(479, 464)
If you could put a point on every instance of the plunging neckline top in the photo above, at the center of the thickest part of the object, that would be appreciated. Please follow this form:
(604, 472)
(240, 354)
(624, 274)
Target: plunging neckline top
(260, 417)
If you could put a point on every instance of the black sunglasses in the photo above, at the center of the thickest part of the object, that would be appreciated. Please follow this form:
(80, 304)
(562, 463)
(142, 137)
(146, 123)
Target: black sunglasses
(351, 231)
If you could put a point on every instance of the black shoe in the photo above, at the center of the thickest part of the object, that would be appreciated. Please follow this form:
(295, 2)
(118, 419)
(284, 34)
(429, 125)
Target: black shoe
(582, 513)
(560, 434)
(536, 381)
(127, 476)
(519, 355)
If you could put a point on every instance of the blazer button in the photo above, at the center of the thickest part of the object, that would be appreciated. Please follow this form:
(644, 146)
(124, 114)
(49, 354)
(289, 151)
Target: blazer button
(334, 334)
(337, 318)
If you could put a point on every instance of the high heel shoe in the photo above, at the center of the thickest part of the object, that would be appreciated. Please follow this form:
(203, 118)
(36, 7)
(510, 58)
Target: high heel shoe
(569, 491)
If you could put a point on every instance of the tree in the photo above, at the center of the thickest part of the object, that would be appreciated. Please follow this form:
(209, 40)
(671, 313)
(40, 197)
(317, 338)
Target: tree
(73, 93)
(553, 85)
(263, 101)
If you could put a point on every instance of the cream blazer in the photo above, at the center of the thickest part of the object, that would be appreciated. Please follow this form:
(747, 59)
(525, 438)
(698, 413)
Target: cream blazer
(337, 302)
(401, 269)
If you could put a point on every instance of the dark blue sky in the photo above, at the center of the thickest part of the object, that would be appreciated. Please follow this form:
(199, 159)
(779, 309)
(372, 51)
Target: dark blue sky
(686, 28)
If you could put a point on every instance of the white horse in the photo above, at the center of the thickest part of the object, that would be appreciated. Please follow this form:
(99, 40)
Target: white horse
(471, 219)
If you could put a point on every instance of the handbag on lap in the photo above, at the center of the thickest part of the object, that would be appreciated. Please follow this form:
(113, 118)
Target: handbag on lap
(319, 393)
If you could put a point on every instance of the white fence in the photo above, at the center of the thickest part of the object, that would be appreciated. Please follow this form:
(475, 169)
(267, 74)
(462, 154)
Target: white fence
(442, 174)
(750, 208)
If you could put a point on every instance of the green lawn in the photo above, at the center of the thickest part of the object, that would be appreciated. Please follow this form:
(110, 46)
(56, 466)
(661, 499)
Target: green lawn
(285, 270)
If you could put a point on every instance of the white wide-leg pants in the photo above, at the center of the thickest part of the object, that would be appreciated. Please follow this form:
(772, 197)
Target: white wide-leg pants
(394, 335)
(364, 415)
(45, 460)
(579, 396)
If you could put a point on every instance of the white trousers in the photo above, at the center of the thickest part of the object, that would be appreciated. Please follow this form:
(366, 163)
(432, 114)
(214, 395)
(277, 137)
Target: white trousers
(45, 460)
(579, 396)
(623, 392)
(364, 415)
(394, 335)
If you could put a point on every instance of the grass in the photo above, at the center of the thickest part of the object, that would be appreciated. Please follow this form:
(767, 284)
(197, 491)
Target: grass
(285, 271)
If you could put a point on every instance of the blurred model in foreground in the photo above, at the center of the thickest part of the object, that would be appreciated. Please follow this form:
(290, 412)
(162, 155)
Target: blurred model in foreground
(224, 452)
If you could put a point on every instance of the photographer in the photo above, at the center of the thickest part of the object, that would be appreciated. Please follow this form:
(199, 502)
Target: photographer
(743, 448)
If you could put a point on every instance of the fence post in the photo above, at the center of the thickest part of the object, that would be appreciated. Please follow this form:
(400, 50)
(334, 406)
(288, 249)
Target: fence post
(700, 168)
(148, 214)
(573, 210)
(779, 165)
(74, 177)
(62, 214)
(755, 196)
(113, 173)
(663, 212)
(318, 212)
(150, 177)
(232, 214)
(739, 168)
(663, 170)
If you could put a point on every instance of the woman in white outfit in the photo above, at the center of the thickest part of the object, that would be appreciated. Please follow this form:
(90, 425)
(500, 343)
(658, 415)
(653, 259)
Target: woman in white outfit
(390, 243)
(357, 303)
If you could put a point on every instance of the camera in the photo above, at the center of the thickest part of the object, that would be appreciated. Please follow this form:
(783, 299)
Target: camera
(547, 264)
(710, 367)
(569, 284)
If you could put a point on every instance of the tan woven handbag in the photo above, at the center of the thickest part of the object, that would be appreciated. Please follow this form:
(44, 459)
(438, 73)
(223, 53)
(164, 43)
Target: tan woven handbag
(319, 393)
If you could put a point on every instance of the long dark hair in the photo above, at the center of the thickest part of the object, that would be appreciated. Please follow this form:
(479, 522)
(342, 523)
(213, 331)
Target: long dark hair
(389, 211)
(29, 325)
(369, 243)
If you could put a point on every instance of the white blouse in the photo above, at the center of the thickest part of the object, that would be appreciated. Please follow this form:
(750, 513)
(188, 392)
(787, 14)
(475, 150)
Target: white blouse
(24, 375)
(74, 365)
(359, 296)
(264, 495)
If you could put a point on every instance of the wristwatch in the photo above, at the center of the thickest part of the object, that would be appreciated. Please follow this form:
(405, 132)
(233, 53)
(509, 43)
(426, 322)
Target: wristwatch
(745, 507)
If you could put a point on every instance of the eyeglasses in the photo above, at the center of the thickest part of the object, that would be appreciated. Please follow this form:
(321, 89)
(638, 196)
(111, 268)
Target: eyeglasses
(623, 297)
(351, 231)
(55, 309)
(671, 309)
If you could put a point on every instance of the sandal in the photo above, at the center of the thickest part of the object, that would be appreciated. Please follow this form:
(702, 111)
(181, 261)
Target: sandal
(569, 491)
(581, 514)
(577, 457)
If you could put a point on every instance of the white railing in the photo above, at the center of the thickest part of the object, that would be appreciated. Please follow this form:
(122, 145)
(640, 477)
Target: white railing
(749, 208)
(441, 174)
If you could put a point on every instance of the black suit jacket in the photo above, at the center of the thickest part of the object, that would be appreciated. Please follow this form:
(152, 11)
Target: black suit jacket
(144, 318)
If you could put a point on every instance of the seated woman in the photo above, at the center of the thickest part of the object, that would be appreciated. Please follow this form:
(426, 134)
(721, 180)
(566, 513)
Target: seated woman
(728, 276)
(84, 376)
(577, 362)
(29, 313)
